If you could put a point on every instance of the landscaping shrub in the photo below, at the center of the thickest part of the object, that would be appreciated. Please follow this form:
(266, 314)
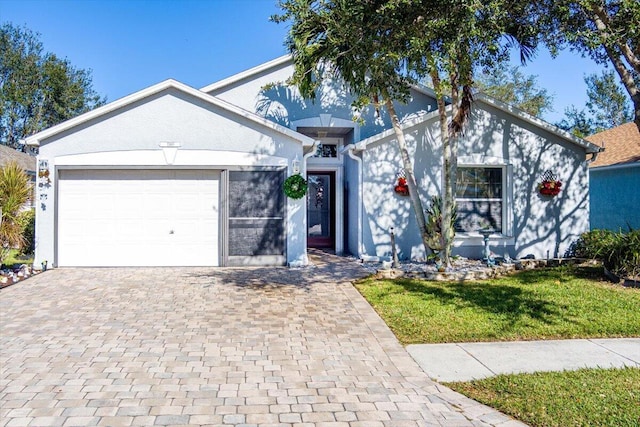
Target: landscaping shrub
(14, 194)
(434, 223)
(28, 221)
(618, 251)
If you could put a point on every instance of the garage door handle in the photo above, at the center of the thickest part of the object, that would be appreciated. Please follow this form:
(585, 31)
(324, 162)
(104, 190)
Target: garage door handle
(171, 232)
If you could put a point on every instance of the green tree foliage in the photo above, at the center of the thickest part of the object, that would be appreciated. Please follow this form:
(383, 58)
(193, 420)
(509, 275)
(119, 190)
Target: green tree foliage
(14, 194)
(607, 107)
(608, 31)
(577, 122)
(509, 84)
(379, 48)
(37, 89)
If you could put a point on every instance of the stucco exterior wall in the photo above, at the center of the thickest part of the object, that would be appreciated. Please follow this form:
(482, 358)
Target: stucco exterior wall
(267, 96)
(209, 137)
(352, 205)
(615, 197)
(535, 225)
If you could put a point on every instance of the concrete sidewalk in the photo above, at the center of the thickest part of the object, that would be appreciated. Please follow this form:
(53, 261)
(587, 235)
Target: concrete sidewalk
(468, 361)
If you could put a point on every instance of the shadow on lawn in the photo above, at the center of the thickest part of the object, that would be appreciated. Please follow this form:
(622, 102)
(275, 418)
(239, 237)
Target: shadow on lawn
(500, 299)
(561, 274)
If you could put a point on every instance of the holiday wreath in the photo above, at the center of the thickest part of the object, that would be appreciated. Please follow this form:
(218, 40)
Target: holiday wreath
(295, 186)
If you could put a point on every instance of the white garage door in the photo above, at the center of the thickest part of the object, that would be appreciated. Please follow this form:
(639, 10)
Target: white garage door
(138, 218)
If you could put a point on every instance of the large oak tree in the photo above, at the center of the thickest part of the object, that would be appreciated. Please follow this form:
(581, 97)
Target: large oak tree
(380, 48)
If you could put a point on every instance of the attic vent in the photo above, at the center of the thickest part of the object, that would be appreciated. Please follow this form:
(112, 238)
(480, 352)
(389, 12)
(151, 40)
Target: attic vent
(170, 149)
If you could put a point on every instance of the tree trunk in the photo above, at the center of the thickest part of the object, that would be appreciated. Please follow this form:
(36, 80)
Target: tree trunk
(416, 202)
(447, 194)
(629, 84)
(601, 18)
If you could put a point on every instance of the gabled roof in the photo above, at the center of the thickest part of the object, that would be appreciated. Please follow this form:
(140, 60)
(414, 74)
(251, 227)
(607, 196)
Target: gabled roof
(555, 130)
(621, 145)
(588, 146)
(160, 87)
(248, 73)
(24, 160)
(488, 100)
(275, 63)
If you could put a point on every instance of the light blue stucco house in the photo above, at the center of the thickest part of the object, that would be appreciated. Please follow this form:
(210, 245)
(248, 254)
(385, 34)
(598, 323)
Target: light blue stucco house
(174, 175)
(614, 179)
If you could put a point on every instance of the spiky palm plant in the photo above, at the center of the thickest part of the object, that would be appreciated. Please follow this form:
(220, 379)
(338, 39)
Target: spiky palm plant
(434, 224)
(14, 194)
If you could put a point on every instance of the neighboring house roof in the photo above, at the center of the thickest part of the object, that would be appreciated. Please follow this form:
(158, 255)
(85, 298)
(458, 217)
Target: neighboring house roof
(621, 145)
(153, 90)
(24, 160)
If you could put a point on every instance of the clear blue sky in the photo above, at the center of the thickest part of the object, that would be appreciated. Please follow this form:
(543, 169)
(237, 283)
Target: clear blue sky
(133, 44)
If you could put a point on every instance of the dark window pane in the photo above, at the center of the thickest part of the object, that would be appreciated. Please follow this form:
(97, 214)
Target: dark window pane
(327, 150)
(496, 191)
(256, 194)
(256, 213)
(479, 184)
(256, 237)
(476, 215)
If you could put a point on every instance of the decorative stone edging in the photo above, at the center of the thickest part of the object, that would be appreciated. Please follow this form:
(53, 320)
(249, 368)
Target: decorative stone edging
(12, 276)
(481, 274)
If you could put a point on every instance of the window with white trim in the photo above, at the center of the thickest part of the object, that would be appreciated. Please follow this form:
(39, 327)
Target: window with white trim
(480, 198)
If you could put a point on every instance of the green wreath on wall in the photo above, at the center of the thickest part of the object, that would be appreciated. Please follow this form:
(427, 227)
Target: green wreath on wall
(295, 186)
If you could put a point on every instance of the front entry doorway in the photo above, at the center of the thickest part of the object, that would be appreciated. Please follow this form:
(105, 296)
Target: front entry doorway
(321, 210)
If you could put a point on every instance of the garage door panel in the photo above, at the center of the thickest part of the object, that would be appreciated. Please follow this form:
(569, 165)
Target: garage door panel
(138, 218)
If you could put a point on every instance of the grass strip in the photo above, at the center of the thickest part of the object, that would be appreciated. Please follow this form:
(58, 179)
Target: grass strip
(552, 303)
(587, 397)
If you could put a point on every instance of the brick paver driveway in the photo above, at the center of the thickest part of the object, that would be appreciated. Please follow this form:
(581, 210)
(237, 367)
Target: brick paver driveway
(254, 347)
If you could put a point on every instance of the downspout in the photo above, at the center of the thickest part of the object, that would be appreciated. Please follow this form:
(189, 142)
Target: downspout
(349, 149)
(306, 156)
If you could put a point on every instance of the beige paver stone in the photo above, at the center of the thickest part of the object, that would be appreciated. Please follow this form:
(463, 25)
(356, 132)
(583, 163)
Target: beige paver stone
(171, 419)
(205, 419)
(19, 421)
(108, 411)
(233, 419)
(317, 417)
(253, 409)
(47, 421)
(143, 421)
(81, 421)
(262, 418)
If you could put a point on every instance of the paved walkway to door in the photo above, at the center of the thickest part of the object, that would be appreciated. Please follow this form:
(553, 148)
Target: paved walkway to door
(236, 346)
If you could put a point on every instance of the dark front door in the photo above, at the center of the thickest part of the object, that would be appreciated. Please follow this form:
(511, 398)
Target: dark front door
(321, 210)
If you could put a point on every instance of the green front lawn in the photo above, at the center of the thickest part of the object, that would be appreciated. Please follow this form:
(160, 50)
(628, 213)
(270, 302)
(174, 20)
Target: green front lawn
(589, 397)
(552, 303)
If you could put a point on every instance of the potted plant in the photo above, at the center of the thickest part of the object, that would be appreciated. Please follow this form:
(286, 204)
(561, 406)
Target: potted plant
(550, 185)
(401, 186)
